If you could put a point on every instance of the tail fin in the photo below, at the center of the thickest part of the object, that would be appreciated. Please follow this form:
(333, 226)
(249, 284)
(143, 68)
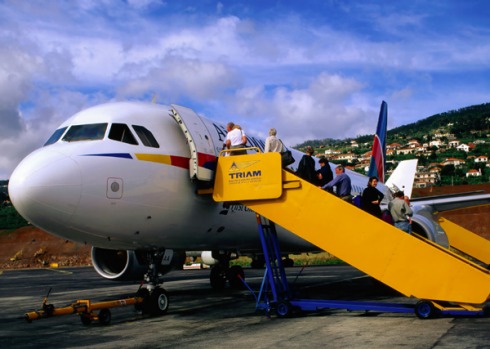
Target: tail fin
(378, 157)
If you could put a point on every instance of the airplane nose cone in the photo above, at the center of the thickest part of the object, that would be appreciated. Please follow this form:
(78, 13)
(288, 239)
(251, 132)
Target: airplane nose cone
(45, 188)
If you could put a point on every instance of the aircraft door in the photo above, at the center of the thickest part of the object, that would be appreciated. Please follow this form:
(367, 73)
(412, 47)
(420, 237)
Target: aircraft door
(202, 164)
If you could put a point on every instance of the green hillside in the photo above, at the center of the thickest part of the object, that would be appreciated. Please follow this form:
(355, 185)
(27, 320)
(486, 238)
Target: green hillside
(469, 122)
(462, 123)
(455, 144)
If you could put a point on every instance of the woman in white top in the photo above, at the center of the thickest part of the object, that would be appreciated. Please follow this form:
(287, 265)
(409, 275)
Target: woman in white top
(235, 138)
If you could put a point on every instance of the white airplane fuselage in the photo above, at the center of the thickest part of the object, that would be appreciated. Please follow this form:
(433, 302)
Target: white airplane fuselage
(117, 195)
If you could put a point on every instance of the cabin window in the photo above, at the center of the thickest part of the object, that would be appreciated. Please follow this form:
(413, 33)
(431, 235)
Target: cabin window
(55, 136)
(88, 132)
(146, 136)
(122, 133)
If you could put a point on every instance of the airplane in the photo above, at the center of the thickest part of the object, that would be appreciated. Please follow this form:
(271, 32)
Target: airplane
(125, 178)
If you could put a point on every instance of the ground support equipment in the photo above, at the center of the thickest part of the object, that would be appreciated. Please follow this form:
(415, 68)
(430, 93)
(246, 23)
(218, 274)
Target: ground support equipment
(276, 295)
(444, 281)
(84, 308)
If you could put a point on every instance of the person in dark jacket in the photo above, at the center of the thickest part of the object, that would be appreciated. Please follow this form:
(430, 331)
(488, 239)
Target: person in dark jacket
(306, 168)
(371, 198)
(324, 174)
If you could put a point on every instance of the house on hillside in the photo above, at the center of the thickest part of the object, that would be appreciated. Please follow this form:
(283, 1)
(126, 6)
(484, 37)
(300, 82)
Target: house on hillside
(482, 159)
(435, 143)
(394, 146)
(421, 149)
(424, 178)
(405, 151)
(436, 170)
(413, 143)
(463, 147)
(453, 161)
(365, 157)
(454, 143)
(330, 152)
(350, 157)
(473, 173)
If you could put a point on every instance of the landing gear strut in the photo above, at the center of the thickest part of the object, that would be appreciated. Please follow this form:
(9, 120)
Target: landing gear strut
(217, 277)
(221, 272)
(155, 298)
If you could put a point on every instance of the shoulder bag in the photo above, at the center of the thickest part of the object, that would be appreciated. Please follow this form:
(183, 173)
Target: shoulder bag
(286, 156)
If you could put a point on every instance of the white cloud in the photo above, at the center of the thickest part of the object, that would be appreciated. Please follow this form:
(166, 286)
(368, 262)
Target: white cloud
(175, 77)
(292, 67)
(39, 123)
(17, 69)
(322, 109)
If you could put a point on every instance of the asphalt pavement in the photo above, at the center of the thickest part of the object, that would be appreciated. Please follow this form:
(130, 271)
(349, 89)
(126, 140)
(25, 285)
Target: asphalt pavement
(199, 317)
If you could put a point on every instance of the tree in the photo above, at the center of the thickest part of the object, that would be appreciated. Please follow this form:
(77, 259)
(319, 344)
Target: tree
(448, 171)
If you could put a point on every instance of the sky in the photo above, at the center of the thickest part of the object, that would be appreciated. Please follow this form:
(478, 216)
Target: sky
(312, 69)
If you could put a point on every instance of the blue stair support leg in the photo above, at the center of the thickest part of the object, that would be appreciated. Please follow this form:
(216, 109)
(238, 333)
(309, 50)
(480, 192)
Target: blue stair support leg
(274, 290)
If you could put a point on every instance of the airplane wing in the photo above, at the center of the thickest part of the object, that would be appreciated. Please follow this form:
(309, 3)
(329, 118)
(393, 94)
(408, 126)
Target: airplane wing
(452, 202)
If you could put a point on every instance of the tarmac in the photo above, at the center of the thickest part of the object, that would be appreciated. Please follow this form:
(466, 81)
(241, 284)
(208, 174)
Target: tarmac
(199, 317)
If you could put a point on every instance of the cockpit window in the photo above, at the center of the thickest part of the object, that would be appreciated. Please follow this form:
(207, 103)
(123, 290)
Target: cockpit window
(88, 132)
(146, 136)
(121, 133)
(55, 136)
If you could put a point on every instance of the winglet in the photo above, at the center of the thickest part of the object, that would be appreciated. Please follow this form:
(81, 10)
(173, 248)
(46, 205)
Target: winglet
(403, 177)
(378, 157)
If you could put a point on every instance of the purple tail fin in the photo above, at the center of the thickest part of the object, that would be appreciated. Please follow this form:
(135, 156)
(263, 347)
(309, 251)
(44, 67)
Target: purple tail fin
(378, 157)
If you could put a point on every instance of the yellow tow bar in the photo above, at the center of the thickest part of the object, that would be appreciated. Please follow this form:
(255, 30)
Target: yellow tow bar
(85, 308)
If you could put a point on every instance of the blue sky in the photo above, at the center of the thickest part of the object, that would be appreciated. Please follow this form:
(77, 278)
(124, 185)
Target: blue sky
(311, 69)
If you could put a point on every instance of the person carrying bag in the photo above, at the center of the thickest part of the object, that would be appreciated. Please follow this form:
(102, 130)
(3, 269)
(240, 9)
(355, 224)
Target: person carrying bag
(274, 144)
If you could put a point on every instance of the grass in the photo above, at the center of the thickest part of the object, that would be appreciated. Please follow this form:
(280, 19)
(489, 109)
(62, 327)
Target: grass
(322, 258)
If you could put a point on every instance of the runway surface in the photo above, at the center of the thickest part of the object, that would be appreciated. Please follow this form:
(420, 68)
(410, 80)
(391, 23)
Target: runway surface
(199, 317)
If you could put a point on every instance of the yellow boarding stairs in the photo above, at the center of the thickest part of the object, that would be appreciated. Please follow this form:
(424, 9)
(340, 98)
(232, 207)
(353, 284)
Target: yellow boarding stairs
(414, 267)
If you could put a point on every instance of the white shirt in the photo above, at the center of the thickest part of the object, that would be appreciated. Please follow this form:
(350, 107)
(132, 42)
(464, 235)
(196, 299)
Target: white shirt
(235, 136)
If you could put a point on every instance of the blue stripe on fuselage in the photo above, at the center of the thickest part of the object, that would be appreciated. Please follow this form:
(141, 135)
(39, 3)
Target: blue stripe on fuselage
(113, 155)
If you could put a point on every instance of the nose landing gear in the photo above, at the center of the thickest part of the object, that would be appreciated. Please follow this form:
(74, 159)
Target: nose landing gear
(154, 303)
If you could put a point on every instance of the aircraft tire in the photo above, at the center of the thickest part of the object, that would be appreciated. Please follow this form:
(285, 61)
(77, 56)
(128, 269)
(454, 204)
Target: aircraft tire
(258, 262)
(159, 302)
(143, 307)
(217, 278)
(288, 262)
